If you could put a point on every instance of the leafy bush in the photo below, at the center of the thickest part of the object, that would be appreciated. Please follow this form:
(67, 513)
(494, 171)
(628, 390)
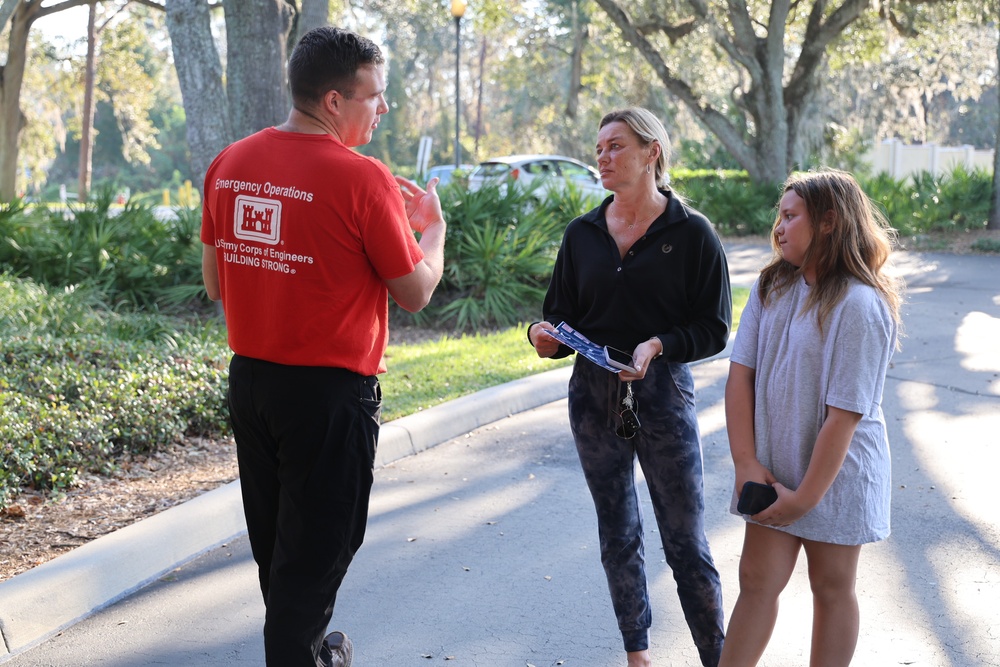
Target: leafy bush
(925, 203)
(501, 246)
(128, 256)
(73, 405)
(986, 245)
(957, 200)
(81, 386)
(735, 204)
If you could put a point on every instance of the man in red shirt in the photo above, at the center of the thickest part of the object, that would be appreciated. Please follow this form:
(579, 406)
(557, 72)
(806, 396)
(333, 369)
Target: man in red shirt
(304, 241)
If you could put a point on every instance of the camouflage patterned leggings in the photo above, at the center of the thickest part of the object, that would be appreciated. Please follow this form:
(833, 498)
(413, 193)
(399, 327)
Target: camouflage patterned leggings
(668, 448)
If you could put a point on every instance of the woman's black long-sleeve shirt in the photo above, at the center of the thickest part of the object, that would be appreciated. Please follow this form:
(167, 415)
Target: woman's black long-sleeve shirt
(673, 283)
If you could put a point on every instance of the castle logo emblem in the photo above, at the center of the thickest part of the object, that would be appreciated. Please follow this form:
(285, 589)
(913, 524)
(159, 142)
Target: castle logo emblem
(257, 219)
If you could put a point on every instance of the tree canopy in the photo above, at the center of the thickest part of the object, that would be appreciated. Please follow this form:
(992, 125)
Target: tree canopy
(768, 86)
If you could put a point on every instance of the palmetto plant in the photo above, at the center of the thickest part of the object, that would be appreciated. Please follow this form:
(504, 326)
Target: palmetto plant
(956, 200)
(498, 277)
(128, 256)
(963, 198)
(500, 251)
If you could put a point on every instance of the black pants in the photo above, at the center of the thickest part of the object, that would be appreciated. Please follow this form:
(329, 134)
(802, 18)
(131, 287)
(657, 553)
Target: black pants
(305, 440)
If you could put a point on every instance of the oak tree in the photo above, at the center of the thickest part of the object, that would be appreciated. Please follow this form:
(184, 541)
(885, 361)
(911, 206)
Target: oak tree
(769, 55)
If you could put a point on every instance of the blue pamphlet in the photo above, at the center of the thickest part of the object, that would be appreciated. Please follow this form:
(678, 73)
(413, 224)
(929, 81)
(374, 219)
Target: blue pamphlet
(572, 338)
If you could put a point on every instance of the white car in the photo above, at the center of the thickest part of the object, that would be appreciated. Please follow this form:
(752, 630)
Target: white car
(445, 172)
(554, 172)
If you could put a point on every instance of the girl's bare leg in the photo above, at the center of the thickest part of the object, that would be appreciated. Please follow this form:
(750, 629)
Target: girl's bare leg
(833, 570)
(766, 565)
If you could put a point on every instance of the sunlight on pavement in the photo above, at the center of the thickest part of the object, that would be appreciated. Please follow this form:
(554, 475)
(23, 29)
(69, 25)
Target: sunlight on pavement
(976, 339)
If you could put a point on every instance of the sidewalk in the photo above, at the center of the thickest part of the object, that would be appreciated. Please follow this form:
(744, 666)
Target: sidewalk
(484, 549)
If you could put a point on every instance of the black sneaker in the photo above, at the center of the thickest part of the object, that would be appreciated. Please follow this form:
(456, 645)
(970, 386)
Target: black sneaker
(340, 649)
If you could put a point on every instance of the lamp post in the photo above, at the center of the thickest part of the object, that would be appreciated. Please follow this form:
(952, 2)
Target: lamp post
(458, 11)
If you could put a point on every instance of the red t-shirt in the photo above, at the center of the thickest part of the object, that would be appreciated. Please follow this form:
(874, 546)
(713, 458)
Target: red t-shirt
(306, 233)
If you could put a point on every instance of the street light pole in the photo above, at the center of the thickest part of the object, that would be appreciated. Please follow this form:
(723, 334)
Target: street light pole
(458, 11)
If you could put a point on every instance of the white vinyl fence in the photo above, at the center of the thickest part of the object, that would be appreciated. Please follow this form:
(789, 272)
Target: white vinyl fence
(900, 160)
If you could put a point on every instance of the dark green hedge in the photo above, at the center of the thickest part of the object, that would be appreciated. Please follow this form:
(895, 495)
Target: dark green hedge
(923, 204)
(74, 405)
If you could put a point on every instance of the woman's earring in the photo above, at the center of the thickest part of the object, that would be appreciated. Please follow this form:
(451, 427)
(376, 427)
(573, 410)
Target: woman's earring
(647, 168)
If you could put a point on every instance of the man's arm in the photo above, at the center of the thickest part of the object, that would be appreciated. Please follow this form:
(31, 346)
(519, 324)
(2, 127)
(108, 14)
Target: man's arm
(210, 272)
(423, 209)
(413, 291)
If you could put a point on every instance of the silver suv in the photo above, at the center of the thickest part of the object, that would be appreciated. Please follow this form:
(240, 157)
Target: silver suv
(552, 172)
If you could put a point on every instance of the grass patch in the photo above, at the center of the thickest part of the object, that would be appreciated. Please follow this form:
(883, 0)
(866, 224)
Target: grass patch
(423, 375)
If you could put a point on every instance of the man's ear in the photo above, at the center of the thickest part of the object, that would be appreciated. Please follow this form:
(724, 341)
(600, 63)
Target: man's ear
(332, 102)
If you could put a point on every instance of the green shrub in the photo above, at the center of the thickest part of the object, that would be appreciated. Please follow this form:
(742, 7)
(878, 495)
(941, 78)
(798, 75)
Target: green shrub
(124, 255)
(925, 203)
(69, 405)
(736, 205)
(80, 385)
(986, 245)
(502, 243)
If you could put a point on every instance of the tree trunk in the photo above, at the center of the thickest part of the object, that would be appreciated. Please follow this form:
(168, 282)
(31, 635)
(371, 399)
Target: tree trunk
(994, 221)
(23, 14)
(773, 105)
(11, 78)
(576, 62)
(314, 14)
(87, 131)
(717, 123)
(199, 72)
(256, 34)
(6, 9)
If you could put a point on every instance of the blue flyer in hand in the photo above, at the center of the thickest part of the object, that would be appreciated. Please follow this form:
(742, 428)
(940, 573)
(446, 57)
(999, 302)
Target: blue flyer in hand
(572, 338)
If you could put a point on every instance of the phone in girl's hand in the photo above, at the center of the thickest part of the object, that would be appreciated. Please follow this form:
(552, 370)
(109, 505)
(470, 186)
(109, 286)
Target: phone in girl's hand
(756, 497)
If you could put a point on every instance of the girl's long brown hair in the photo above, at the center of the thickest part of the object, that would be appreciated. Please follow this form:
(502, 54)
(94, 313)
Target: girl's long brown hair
(851, 239)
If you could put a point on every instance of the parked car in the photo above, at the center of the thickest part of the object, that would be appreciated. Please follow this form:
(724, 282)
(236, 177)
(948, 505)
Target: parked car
(446, 172)
(553, 171)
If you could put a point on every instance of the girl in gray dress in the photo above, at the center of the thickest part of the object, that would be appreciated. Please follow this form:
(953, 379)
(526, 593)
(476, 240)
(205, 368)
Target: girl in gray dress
(804, 415)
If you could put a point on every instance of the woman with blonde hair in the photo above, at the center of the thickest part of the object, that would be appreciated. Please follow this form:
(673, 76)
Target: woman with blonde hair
(644, 273)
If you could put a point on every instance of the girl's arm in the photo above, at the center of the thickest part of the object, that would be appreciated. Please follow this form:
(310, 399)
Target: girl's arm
(828, 456)
(739, 426)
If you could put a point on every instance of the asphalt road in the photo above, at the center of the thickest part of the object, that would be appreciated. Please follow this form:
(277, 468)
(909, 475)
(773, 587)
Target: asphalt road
(483, 551)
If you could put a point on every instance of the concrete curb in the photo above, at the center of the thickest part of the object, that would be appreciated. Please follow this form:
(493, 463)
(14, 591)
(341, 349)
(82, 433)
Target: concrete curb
(43, 601)
(46, 599)
(422, 430)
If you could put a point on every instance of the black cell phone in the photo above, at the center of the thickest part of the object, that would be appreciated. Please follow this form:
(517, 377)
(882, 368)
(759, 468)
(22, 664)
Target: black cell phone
(756, 497)
(619, 359)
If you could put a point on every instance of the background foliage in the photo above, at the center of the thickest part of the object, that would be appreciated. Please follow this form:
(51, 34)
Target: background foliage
(108, 347)
(535, 77)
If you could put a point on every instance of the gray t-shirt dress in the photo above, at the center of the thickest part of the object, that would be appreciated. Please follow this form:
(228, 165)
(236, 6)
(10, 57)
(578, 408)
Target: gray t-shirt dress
(798, 373)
